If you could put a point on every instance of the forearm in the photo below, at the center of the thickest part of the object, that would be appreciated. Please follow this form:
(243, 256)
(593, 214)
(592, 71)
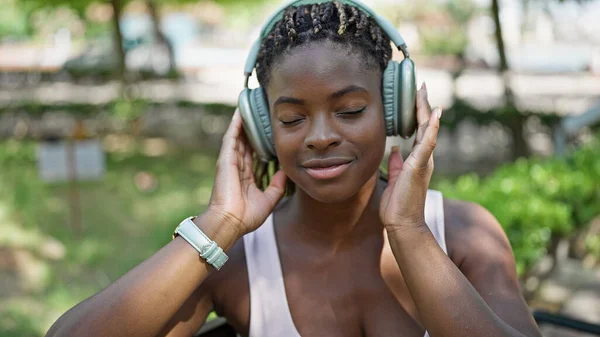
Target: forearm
(448, 304)
(142, 301)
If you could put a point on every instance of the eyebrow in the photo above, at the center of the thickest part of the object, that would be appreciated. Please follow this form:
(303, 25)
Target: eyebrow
(288, 100)
(335, 95)
(347, 90)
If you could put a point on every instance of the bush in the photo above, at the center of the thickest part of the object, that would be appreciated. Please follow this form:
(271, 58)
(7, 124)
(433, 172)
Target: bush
(537, 199)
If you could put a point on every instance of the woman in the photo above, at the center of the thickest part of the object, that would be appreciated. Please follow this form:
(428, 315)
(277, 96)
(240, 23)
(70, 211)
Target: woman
(345, 254)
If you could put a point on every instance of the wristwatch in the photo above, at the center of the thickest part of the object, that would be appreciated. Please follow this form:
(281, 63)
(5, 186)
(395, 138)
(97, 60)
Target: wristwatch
(207, 248)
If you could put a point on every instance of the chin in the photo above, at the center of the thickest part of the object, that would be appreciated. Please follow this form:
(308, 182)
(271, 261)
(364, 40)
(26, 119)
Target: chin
(330, 193)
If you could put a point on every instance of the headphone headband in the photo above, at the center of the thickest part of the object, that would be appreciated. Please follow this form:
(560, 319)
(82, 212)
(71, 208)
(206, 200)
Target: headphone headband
(382, 22)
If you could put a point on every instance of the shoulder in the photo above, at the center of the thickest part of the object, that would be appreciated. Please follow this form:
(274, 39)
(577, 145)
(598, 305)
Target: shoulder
(473, 235)
(479, 247)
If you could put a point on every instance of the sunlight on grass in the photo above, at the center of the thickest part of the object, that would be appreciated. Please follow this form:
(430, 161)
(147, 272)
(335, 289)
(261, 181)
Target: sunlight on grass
(11, 235)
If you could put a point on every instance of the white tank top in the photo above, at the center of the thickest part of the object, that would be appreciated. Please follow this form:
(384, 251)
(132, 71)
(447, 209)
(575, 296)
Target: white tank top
(269, 310)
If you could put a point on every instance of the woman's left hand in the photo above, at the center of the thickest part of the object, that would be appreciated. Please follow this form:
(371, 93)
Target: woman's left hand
(403, 201)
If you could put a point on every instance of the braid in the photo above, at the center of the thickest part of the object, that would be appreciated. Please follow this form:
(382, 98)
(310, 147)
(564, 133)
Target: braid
(332, 21)
(342, 15)
(327, 12)
(264, 171)
(361, 24)
(290, 26)
(354, 15)
(316, 21)
(379, 38)
(302, 18)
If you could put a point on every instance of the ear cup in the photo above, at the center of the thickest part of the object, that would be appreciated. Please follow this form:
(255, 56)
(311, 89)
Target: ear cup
(260, 107)
(399, 98)
(390, 88)
(407, 108)
(257, 122)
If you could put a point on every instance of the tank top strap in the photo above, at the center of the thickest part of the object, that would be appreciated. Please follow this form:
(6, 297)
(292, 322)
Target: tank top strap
(434, 217)
(269, 311)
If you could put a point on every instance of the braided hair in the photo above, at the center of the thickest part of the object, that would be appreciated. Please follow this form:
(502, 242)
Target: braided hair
(333, 21)
(328, 21)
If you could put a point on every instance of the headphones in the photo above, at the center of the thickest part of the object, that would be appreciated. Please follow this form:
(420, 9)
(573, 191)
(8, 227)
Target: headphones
(399, 88)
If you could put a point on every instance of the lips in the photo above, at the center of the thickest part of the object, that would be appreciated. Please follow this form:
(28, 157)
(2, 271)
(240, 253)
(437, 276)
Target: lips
(327, 168)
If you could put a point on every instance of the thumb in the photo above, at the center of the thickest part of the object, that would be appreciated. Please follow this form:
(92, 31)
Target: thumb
(276, 188)
(395, 163)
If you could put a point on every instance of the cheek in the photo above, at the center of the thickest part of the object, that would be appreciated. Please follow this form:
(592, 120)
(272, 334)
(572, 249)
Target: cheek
(287, 146)
(371, 138)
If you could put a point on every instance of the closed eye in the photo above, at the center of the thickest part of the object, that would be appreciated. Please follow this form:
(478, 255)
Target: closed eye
(291, 122)
(352, 112)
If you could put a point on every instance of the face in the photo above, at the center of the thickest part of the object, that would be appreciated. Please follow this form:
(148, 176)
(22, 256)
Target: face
(327, 119)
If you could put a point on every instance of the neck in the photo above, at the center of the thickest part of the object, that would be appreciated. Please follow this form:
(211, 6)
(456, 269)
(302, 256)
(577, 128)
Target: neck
(333, 224)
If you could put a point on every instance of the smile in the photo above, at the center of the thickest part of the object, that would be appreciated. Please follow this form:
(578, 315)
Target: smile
(326, 169)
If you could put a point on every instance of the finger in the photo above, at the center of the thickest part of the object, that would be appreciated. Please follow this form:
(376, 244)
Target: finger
(276, 188)
(395, 162)
(248, 164)
(248, 171)
(227, 166)
(423, 107)
(229, 143)
(424, 149)
(240, 155)
(241, 149)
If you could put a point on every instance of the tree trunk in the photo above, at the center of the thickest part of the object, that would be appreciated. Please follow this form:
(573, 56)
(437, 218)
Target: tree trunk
(520, 147)
(160, 37)
(118, 39)
(503, 66)
(525, 24)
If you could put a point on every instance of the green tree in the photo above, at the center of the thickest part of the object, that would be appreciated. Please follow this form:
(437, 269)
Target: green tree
(154, 8)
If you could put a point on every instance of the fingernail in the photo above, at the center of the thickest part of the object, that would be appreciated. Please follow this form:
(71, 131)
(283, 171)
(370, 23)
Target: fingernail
(424, 86)
(438, 112)
(395, 148)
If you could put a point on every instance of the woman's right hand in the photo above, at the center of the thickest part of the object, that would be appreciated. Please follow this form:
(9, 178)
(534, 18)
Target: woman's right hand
(235, 198)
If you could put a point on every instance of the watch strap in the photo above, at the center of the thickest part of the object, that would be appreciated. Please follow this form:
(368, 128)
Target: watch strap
(207, 248)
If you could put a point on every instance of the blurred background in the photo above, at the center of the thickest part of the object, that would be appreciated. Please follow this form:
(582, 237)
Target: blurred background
(112, 112)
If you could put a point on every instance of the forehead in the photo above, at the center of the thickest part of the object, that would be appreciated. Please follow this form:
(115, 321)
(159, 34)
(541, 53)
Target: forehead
(320, 68)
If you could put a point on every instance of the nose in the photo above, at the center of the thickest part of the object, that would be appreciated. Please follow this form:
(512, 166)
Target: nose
(322, 134)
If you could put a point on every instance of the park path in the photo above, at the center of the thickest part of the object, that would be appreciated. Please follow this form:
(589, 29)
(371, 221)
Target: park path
(571, 290)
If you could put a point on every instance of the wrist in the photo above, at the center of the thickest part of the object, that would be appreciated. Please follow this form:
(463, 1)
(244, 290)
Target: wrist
(217, 229)
(408, 228)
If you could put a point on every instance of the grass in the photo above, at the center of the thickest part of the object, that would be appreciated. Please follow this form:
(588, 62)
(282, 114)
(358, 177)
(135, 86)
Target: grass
(44, 268)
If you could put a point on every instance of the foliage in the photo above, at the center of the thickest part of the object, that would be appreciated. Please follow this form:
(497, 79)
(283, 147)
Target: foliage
(14, 323)
(461, 10)
(452, 41)
(536, 199)
(14, 21)
(447, 37)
